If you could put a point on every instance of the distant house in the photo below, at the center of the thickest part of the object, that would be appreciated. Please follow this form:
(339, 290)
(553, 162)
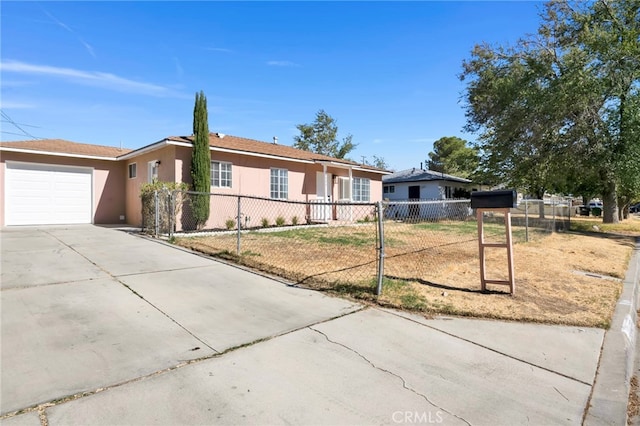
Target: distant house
(419, 184)
(55, 181)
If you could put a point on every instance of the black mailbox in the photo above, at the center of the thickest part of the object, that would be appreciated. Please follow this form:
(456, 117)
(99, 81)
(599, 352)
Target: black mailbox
(505, 199)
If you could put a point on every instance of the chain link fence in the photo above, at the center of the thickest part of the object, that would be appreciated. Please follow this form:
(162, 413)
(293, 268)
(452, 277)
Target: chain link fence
(306, 242)
(345, 245)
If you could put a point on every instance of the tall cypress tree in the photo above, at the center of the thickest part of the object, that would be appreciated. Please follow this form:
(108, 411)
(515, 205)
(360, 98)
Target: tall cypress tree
(201, 161)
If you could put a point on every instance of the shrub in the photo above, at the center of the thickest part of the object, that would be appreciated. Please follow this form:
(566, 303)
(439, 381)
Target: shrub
(280, 221)
(294, 220)
(166, 218)
(230, 224)
(265, 222)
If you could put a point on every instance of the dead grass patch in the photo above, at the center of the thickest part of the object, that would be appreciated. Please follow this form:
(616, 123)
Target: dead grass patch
(434, 268)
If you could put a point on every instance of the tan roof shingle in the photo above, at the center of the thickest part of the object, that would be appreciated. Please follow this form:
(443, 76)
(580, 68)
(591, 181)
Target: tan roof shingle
(253, 146)
(216, 140)
(60, 146)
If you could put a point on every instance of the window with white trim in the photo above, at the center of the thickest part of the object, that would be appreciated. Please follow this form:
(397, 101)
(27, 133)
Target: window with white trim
(133, 170)
(220, 174)
(361, 189)
(344, 190)
(279, 184)
(389, 189)
(152, 170)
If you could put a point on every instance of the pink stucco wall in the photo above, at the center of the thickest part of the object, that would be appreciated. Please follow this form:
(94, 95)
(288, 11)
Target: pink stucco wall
(116, 195)
(108, 182)
(166, 173)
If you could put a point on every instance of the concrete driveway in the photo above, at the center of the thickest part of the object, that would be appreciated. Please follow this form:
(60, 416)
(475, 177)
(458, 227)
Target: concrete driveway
(101, 327)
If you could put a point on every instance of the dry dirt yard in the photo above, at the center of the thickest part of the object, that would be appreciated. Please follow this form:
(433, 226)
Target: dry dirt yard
(571, 278)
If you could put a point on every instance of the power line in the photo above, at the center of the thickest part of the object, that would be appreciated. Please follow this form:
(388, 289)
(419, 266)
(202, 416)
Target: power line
(17, 126)
(12, 133)
(22, 124)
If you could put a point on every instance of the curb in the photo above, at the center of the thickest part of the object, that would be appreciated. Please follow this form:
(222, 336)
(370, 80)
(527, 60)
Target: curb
(610, 393)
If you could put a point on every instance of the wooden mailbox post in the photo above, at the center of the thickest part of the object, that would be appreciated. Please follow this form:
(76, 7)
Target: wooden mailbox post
(497, 201)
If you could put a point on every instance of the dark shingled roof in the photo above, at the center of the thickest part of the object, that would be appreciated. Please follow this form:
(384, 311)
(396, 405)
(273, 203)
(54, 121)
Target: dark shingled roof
(419, 175)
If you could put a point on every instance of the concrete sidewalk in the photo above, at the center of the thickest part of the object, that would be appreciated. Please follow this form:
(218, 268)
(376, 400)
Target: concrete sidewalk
(118, 329)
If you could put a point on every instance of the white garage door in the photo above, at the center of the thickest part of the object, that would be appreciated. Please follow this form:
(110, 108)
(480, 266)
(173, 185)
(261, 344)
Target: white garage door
(45, 194)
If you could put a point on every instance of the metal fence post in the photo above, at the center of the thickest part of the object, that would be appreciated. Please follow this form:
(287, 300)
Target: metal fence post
(238, 225)
(157, 211)
(553, 212)
(526, 221)
(172, 212)
(380, 249)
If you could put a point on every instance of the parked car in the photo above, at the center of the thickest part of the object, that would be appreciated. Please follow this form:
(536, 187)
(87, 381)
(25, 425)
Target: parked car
(635, 208)
(593, 208)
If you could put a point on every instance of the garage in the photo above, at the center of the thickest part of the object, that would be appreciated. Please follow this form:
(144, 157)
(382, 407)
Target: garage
(47, 194)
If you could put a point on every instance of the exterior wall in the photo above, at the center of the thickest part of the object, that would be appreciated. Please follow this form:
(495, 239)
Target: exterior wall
(108, 181)
(430, 190)
(166, 173)
(251, 176)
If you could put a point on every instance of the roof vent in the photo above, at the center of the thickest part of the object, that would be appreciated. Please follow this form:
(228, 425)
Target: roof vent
(275, 140)
(220, 135)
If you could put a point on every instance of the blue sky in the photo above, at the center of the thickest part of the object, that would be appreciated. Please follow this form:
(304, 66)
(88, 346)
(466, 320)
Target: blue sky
(126, 73)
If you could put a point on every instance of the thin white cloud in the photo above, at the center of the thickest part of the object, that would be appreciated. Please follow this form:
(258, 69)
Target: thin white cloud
(282, 64)
(88, 47)
(15, 83)
(218, 49)
(16, 105)
(93, 78)
(66, 27)
(378, 141)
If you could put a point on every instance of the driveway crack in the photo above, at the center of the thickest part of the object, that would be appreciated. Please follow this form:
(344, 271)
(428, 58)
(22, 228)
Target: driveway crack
(404, 382)
(118, 280)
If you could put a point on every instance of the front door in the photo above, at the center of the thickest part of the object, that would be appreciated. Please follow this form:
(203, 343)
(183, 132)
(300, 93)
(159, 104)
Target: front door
(323, 194)
(414, 194)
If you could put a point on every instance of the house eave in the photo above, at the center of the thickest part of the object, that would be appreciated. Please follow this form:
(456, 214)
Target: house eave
(400, 180)
(166, 142)
(58, 154)
(256, 154)
(351, 166)
(147, 149)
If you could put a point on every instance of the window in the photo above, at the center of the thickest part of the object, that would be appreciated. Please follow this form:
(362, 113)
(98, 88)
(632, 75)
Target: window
(361, 189)
(389, 189)
(133, 170)
(447, 192)
(279, 183)
(345, 189)
(153, 170)
(220, 174)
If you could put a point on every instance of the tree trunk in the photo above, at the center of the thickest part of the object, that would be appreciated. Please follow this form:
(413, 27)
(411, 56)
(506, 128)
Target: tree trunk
(610, 203)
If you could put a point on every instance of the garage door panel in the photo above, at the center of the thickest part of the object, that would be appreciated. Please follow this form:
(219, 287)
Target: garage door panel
(37, 194)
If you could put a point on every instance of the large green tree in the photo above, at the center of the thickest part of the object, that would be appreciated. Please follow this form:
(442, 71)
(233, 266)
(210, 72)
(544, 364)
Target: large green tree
(321, 137)
(558, 110)
(453, 156)
(201, 161)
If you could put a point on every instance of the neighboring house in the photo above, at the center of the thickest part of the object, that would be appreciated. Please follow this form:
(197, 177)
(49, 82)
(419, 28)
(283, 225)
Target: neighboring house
(60, 182)
(420, 184)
